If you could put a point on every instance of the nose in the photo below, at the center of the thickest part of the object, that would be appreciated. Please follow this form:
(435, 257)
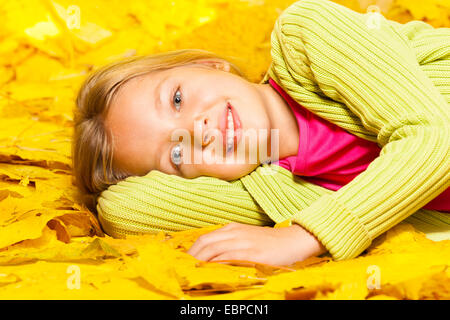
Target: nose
(196, 131)
(203, 131)
(200, 128)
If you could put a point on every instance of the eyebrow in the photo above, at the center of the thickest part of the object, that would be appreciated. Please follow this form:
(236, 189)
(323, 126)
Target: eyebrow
(157, 95)
(157, 92)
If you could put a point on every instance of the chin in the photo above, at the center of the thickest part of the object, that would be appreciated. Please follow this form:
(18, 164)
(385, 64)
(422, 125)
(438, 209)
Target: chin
(235, 172)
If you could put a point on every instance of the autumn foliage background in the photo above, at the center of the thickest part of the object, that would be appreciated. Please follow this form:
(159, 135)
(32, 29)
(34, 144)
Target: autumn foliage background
(52, 247)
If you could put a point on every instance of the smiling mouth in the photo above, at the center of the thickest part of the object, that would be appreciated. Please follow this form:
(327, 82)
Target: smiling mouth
(230, 131)
(231, 128)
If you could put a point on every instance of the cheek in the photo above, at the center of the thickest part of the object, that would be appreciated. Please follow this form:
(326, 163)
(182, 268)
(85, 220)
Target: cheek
(132, 158)
(212, 165)
(221, 171)
(134, 149)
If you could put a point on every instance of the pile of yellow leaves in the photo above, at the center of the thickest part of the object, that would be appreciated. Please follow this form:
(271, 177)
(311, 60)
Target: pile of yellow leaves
(52, 246)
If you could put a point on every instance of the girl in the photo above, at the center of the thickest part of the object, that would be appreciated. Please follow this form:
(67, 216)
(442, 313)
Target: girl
(360, 110)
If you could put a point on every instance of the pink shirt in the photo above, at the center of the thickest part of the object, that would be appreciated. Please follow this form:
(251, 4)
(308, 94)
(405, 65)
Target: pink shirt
(331, 157)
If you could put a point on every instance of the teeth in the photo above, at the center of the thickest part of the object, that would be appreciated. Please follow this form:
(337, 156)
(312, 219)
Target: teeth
(230, 131)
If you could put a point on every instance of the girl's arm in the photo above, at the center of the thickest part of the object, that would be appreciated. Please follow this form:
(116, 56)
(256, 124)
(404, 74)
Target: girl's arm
(324, 51)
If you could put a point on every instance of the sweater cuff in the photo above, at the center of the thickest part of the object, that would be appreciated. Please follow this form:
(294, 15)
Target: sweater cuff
(340, 231)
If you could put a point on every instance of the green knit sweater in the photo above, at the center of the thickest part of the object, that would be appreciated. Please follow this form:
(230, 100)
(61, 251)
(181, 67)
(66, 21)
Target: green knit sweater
(389, 84)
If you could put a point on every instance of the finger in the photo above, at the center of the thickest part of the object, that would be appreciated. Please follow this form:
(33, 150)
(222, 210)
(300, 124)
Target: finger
(207, 239)
(217, 248)
(242, 254)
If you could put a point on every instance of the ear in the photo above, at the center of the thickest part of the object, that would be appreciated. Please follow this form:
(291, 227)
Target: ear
(216, 64)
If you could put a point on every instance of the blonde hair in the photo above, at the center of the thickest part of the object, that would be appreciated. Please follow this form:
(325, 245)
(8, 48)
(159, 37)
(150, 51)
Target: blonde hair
(92, 144)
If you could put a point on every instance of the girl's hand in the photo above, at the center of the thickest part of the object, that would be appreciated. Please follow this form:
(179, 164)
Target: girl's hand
(275, 246)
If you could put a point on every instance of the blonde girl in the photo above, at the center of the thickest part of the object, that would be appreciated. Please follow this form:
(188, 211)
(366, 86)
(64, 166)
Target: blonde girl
(358, 112)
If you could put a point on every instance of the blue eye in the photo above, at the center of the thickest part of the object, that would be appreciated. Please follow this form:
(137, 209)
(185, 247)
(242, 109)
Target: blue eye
(177, 99)
(176, 155)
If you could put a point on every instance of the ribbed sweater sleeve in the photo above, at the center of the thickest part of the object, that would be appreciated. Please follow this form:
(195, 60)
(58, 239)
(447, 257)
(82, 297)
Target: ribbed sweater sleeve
(330, 51)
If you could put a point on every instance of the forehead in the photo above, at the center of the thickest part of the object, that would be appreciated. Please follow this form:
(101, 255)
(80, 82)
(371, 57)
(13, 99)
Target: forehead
(148, 82)
(131, 116)
(137, 82)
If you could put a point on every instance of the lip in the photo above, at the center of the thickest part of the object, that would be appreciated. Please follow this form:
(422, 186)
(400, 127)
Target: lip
(224, 126)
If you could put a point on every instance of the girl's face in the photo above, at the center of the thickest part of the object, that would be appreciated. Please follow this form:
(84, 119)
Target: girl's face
(150, 114)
